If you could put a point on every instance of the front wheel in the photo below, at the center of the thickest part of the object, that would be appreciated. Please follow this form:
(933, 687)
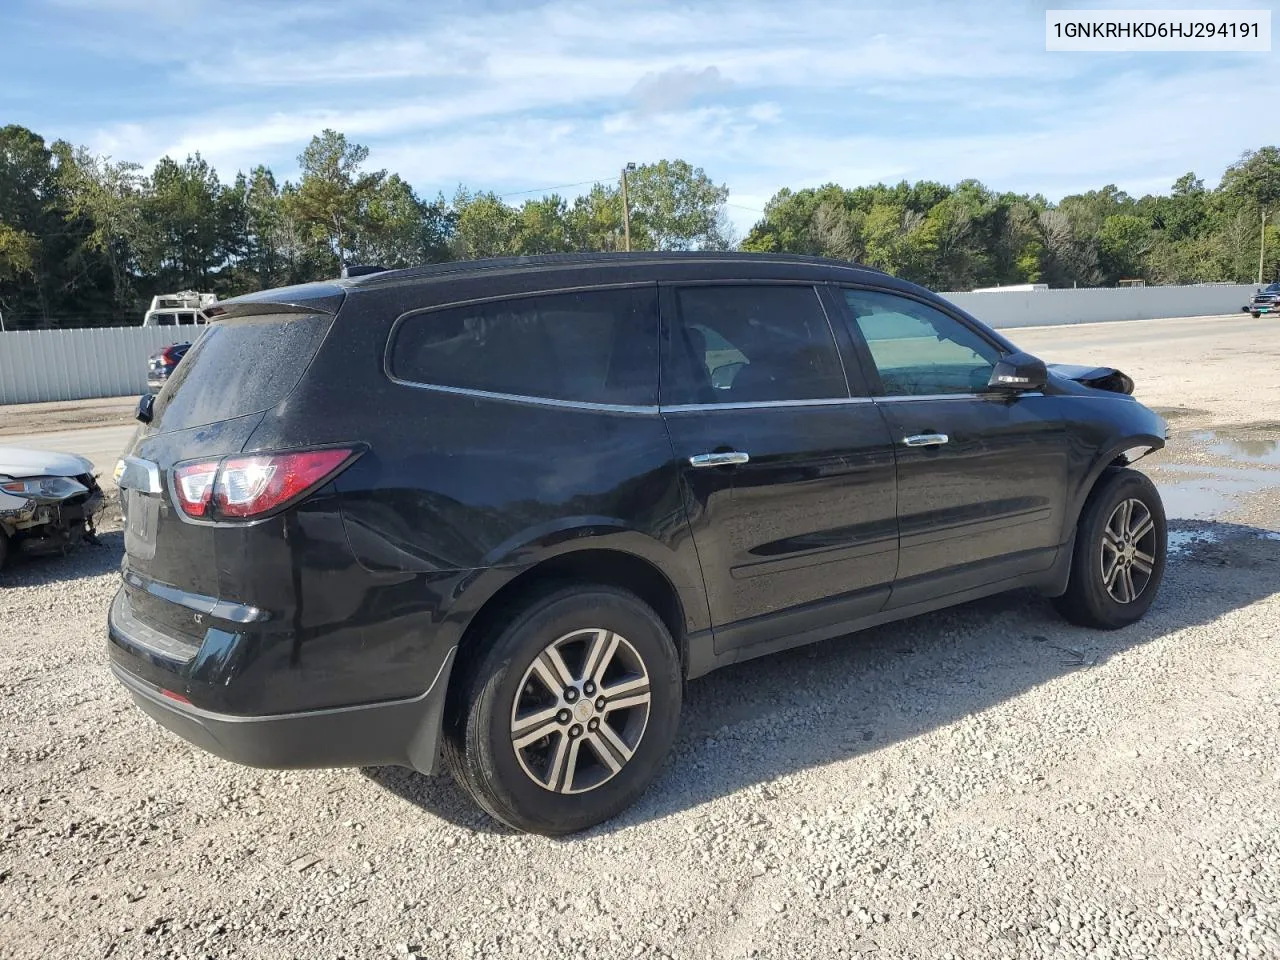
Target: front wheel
(567, 716)
(1120, 552)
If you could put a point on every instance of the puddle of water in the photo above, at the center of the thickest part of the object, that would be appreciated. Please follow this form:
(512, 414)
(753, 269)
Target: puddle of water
(1213, 492)
(1180, 541)
(1236, 448)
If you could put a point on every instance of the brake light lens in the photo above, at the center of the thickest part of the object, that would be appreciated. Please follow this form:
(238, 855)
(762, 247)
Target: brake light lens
(249, 486)
(169, 355)
(193, 487)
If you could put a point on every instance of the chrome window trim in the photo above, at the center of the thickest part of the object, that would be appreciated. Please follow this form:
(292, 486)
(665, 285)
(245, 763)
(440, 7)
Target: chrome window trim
(832, 402)
(763, 404)
(650, 410)
(581, 405)
(905, 397)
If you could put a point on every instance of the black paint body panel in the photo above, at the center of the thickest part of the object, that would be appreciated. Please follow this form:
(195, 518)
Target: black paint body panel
(360, 593)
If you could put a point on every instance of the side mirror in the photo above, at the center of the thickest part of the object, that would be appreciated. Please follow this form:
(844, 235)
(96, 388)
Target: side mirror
(145, 403)
(1018, 373)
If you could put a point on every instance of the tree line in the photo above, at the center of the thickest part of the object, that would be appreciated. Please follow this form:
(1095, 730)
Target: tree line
(86, 240)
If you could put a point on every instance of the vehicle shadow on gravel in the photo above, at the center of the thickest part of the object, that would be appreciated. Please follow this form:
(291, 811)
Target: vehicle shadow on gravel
(755, 722)
(85, 560)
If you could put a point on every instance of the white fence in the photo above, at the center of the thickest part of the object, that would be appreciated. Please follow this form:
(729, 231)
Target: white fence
(40, 365)
(1042, 308)
(77, 364)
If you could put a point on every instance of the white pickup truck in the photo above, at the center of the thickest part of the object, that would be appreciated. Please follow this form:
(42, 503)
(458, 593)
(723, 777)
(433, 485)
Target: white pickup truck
(179, 309)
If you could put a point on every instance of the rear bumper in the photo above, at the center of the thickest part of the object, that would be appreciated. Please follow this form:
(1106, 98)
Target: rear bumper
(400, 732)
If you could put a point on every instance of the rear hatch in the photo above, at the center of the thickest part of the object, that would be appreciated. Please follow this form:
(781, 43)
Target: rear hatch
(240, 367)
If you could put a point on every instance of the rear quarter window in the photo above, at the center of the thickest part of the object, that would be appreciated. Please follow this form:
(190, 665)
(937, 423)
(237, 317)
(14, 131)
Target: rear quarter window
(237, 367)
(596, 346)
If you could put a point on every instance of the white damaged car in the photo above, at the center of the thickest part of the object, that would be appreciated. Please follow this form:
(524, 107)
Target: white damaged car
(48, 501)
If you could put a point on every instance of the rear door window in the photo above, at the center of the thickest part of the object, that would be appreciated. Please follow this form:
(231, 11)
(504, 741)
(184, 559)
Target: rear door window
(750, 344)
(595, 346)
(239, 366)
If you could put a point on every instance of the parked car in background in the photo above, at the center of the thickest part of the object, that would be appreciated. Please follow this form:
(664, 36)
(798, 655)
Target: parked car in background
(161, 365)
(48, 501)
(1266, 300)
(507, 508)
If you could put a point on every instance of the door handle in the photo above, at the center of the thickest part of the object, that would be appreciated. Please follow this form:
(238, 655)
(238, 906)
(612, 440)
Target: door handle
(727, 458)
(926, 440)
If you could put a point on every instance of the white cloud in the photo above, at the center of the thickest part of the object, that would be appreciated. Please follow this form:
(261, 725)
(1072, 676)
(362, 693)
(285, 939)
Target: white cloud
(762, 95)
(675, 88)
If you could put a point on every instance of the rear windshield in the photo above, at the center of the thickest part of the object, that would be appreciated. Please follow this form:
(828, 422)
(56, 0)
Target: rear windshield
(237, 367)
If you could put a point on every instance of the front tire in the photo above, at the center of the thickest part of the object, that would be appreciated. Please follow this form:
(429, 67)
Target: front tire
(1120, 552)
(567, 716)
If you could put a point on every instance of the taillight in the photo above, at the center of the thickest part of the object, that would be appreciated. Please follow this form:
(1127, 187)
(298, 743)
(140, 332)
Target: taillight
(169, 355)
(193, 486)
(248, 486)
(240, 488)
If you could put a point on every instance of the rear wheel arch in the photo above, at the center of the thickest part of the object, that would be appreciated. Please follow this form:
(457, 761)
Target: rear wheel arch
(588, 567)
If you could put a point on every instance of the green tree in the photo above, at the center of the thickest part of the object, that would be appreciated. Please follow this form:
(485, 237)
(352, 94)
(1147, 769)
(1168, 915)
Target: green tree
(17, 252)
(181, 240)
(1123, 243)
(390, 229)
(486, 226)
(109, 197)
(676, 206)
(334, 193)
(544, 226)
(595, 220)
(1255, 178)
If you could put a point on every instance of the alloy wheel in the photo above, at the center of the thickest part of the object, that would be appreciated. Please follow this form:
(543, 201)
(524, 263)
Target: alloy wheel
(1128, 550)
(580, 711)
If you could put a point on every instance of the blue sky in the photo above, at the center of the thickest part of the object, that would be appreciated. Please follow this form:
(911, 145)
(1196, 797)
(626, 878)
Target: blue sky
(522, 96)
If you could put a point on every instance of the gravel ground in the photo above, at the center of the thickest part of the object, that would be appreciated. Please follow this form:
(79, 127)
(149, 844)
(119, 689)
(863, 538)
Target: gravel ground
(983, 782)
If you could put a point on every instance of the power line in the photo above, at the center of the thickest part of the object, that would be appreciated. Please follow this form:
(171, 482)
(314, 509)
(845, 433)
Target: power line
(562, 186)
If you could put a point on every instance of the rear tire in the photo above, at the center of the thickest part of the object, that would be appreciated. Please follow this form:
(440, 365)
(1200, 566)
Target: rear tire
(1120, 551)
(4, 548)
(566, 717)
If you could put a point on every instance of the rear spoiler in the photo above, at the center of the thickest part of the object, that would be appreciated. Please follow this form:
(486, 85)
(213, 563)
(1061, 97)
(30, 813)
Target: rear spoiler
(1100, 378)
(307, 298)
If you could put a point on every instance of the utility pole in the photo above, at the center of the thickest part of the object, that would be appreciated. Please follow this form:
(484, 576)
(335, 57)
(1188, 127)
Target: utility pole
(1262, 247)
(626, 210)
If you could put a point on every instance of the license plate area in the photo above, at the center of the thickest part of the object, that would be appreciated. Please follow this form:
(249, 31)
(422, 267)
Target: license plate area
(141, 493)
(141, 517)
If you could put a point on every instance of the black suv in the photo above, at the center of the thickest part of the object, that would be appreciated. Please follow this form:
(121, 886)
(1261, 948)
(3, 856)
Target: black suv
(502, 510)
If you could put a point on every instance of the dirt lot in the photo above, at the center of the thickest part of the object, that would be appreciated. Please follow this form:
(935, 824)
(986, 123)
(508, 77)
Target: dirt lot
(31, 418)
(986, 781)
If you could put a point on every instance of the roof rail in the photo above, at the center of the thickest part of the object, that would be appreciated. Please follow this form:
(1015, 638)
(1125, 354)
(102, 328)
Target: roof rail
(429, 270)
(361, 270)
